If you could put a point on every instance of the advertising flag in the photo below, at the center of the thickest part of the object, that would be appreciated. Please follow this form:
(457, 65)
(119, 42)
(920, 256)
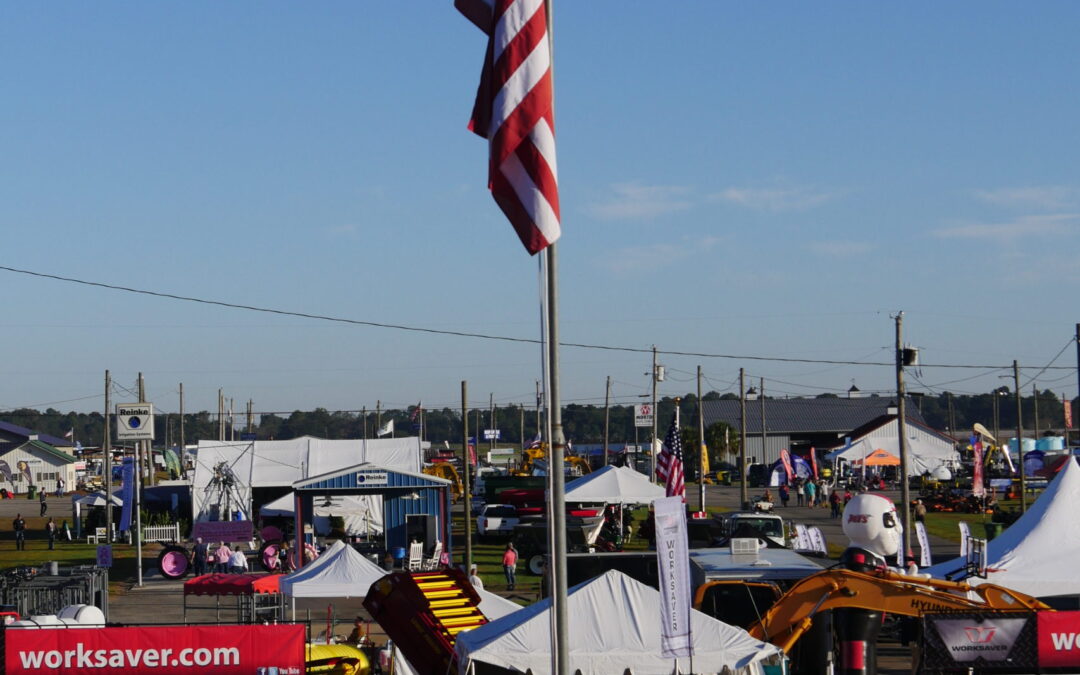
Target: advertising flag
(924, 544)
(802, 538)
(965, 537)
(673, 564)
(385, 429)
(813, 462)
(785, 459)
(977, 487)
(127, 492)
(25, 469)
(5, 470)
(514, 110)
(1068, 412)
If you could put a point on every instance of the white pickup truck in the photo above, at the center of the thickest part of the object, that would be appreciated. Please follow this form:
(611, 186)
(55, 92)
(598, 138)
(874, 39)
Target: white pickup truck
(497, 520)
(767, 524)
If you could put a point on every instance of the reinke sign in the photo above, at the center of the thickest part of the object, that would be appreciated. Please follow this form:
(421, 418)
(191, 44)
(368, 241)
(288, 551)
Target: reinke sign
(135, 421)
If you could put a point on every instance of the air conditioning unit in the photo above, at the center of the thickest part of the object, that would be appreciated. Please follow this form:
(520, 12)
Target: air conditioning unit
(744, 546)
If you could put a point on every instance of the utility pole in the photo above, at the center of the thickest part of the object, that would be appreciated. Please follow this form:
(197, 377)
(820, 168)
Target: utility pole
(952, 414)
(250, 417)
(232, 422)
(701, 445)
(607, 418)
(220, 416)
(183, 468)
(378, 416)
(901, 431)
(491, 420)
(465, 465)
(108, 459)
(538, 427)
(1035, 402)
(136, 538)
(744, 498)
(1020, 435)
(655, 415)
(521, 410)
(997, 431)
(1077, 379)
(363, 414)
(764, 431)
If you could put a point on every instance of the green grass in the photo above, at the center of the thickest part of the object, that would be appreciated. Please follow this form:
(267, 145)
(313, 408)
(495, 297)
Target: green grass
(36, 553)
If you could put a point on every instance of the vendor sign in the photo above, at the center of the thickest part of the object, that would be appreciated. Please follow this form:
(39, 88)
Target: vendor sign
(224, 530)
(987, 641)
(222, 650)
(1059, 639)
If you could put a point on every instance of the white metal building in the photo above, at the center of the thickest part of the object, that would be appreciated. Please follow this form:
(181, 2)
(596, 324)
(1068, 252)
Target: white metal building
(45, 462)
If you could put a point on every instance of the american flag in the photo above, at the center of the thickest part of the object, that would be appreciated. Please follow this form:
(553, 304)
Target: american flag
(536, 442)
(669, 465)
(514, 110)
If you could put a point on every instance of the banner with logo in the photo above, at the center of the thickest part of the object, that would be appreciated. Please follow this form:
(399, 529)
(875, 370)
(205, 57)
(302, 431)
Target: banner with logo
(673, 563)
(924, 544)
(127, 492)
(813, 462)
(978, 488)
(965, 536)
(785, 459)
(818, 540)
(802, 538)
(1068, 412)
(1059, 639)
(194, 650)
(5, 470)
(986, 641)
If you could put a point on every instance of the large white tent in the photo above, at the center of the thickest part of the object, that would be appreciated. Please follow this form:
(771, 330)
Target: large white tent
(1037, 554)
(923, 455)
(613, 485)
(225, 472)
(363, 514)
(340, 572)
(614, 627)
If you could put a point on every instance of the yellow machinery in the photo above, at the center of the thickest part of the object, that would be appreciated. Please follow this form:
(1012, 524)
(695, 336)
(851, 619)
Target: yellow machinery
(448, 472)
(337, 660)
(882, 590)
(531, 455)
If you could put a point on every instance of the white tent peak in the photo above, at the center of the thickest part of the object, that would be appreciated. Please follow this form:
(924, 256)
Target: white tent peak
(1036, 554)
(340, 572)
(614, 626)
(614, 485)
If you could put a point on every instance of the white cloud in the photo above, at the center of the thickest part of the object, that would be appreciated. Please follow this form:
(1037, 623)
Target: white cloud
(775, 199)
(653, 257)
(1041, 197)
(841, 249)
(632, 201)
(1007, 232)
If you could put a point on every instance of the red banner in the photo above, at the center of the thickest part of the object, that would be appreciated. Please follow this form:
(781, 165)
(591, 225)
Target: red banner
(785, 458)
(1068, 414)
(978, 487)
(1059, 639)
(232, 650)
(813, 462)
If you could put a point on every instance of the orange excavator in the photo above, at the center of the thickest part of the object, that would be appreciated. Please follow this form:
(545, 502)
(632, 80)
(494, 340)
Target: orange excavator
(530, 456)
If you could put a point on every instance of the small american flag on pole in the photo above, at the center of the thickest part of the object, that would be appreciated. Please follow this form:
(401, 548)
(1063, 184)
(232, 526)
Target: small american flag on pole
(514, 110)
(669, 465)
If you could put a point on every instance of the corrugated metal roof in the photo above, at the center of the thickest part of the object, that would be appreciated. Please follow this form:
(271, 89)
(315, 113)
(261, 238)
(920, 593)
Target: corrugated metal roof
(27, 433)
(805, 415)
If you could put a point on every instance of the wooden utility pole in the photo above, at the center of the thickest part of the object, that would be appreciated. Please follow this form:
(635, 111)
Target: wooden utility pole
(491, 420)
(183, 467)
(521, 410)
(952, 414)
(220, 416)
(108, 458)
(232, 419)
(764, 431)
(655, 415)
(250, 417)
(141, 447)
(1020, 435)
(1035, 403)
(607, 418)
(538, 399)
(701, 445)
(378, 417)
(363, 414)
(901, 431)
(744, 498)
(465, 465)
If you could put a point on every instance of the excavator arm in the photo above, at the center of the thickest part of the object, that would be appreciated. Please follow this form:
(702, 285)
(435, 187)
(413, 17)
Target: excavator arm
(882, 590)
(447, 471)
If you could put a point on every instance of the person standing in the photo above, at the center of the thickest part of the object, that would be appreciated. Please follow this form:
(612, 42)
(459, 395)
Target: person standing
(474, 579)
(509, 562)
(238, 563)
(223, 555)
(59, 487)
(834, 502)
(44, 506)
(785, 495)
(50, 532)
(920, 511)
(811, 493)
(20, 532)
(800, 491)
(199, 556)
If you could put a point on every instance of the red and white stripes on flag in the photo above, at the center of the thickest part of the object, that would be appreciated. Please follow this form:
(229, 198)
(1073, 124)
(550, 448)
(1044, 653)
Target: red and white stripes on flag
(514, 111)
(669, 464)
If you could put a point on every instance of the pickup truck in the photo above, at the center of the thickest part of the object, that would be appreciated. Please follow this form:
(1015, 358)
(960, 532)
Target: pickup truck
(497, 520)
(764, 524)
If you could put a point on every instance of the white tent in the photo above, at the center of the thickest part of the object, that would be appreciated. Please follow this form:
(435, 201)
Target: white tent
(340, 572)
(362, 513)
(1037, 554)
(256, 464)
(613, 485)
(493, 606)
(923, 456)
(614, 627)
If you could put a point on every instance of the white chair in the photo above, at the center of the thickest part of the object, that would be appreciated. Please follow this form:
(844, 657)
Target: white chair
(432, 563)
(98, 536)
(416, 556)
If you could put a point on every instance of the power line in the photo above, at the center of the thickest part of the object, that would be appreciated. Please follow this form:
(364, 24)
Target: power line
(479, 336)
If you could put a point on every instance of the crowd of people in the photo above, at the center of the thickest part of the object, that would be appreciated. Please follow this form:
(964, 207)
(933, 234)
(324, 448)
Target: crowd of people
(812, 494)
(221, 559)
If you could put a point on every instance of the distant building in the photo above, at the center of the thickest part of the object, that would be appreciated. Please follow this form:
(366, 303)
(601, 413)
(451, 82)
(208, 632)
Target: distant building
(45, 461)
(797, 424)
(13, 433)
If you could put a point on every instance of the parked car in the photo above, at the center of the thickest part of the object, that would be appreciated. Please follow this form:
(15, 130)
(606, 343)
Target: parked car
(497, 520)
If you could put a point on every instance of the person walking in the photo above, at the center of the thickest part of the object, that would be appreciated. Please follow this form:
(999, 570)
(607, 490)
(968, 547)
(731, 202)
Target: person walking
(59, 487)
(785, 495)
(50, 532)
(509, 562)
(238, 563)
(20, 532)
(834, 502)
(44, 506)
(199, 556)
(800, 491)
(223, 555)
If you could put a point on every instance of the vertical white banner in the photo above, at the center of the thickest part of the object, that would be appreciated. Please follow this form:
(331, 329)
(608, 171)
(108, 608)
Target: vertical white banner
(818, 540)
(802, 538)
(924, 544)
(965, 536)
(673, 562)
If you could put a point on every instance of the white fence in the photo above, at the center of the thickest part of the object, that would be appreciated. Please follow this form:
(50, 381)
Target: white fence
(162, 533)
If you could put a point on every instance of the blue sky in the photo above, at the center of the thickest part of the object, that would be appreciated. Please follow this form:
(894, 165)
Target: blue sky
(755, 179)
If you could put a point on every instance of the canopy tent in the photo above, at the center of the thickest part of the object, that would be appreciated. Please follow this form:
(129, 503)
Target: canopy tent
(923, 456)
(98, 499)
(1037, 554)
(225, 472)
(799, 466)
(362, 513)
(879, 457)
(340, 572)
(232, 584)
(613, 485)
(493, 606)
(614, 627)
